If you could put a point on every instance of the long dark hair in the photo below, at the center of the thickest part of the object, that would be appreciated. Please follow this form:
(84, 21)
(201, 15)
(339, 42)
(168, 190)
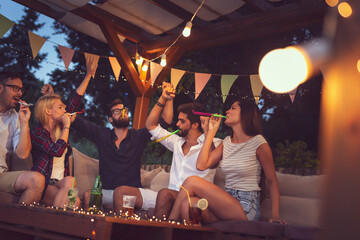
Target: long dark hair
(250, 117)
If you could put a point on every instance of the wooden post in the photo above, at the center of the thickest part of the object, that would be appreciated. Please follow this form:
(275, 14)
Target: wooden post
(340, 132)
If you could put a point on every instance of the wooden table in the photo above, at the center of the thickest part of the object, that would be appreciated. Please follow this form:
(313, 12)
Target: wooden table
(35, 222)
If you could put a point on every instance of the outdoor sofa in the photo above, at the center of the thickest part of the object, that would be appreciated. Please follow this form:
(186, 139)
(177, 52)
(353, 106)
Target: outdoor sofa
(300, 200)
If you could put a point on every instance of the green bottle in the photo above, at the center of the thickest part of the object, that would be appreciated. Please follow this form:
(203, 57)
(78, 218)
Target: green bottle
(96, 196)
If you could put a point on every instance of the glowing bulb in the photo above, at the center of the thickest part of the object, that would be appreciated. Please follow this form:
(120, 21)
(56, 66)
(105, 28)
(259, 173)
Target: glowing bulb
(332, 3)
(282, 70)
(344, 9)
(145, 66)
(358, 65)
(187, 30)
(163, 60)
(139, 59)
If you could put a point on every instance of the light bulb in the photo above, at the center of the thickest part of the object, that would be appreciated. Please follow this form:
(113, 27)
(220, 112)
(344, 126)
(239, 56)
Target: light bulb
(139, 59)
(145, 66)
(282, 70)
(163, 60)
(187, 30)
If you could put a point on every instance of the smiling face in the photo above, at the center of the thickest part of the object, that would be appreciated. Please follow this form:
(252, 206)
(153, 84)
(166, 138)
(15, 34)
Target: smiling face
(8, 97)
(233, 115)
(119, 116)
(57, 110)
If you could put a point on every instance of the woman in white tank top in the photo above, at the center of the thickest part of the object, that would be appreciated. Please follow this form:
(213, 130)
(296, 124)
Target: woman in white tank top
(243, 155)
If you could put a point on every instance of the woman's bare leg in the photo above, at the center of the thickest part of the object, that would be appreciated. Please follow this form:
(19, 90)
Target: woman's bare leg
(221, 204)
(50, 195)
(64, 185)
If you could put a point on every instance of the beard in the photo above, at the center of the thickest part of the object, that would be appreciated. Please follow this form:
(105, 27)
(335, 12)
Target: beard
(184, 132)
(120, 123)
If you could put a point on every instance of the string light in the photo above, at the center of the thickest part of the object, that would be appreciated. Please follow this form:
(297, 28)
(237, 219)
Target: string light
(345, 9)
(139, 59)
(145, 66)
(187, 30)
(163, 60)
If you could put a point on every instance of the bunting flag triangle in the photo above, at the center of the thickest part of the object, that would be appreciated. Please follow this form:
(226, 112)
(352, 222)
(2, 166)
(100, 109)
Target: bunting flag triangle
(66, 55)
(115, 67)
(5, 25)
(201, 80)
(226, 82)
(175, 76)
(36, 43)
(292, 95)
(155, 69)
(92, 58)
(256, 86)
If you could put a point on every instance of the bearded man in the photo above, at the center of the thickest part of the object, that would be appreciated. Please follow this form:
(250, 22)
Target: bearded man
(120, 150)
(185, 146)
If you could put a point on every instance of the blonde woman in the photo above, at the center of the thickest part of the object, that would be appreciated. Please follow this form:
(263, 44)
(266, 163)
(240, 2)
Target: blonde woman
(51, 149)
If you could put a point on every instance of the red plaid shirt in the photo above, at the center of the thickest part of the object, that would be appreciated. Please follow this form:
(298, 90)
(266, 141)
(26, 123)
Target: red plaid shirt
(44, 149)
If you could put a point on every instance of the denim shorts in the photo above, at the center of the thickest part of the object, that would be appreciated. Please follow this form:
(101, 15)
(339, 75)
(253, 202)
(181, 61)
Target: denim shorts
(249, 200)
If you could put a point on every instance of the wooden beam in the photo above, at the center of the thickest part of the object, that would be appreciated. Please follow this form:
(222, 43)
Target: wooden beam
(123, 27)
(127, 66)
(41, 8)
(279, 19)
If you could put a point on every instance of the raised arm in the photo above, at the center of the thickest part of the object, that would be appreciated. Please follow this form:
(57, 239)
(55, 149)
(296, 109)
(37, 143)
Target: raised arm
(264, 155)
(207, 158)
(90, 71)
(23, 147)
(153, 118)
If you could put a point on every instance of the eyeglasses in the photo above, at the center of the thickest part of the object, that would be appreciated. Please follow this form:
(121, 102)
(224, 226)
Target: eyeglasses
(16, 88)
(119, 111)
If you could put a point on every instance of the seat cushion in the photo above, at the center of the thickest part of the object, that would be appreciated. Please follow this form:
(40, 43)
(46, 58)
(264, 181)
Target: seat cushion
(85, 170)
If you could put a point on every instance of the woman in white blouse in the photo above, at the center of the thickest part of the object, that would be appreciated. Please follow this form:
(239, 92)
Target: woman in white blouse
(244, 154)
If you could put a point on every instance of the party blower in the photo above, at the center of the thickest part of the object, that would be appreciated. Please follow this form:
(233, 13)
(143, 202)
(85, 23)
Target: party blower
(207, 114)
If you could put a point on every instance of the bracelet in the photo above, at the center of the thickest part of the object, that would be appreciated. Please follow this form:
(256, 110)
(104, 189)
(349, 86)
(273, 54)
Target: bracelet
(66, 128)
(160, 105)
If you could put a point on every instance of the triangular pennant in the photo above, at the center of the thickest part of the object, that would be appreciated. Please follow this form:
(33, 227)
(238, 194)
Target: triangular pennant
(256, 86)
(155, 69)
(67, 55)
(292, 95)
(115, 67)
(200, 81)
(92, 58)
(226, 82)
(175, 76)
(36, 43)
(5, 25)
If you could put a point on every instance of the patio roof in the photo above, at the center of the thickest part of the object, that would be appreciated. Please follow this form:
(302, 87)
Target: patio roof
(151, 26)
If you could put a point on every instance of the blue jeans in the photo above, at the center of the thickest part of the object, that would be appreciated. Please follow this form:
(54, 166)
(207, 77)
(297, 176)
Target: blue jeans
(249, 200)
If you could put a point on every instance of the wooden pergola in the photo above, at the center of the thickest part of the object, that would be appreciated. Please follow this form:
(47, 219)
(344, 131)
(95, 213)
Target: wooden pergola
(254, 19)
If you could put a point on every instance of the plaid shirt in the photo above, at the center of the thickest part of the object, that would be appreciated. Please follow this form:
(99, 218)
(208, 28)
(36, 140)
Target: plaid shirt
(44, 149)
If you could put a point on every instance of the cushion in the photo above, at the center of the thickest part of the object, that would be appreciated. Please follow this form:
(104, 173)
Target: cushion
(160, 181)
(147, 176)
(300, 186)
(85, 170)
(295, 210)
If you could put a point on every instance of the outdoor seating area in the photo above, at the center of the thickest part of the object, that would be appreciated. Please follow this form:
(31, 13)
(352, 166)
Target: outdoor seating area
(300, 203)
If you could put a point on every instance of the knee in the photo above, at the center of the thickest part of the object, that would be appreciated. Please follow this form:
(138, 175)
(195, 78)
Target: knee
(36, 181)
(119, 192)
(191, 181)
(68, 181)
(165, 195)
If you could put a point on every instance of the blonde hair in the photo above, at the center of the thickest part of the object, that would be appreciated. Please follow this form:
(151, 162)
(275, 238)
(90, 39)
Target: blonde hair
(43, 103)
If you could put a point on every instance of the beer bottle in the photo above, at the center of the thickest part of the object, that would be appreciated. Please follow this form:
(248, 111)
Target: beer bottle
(96, 195)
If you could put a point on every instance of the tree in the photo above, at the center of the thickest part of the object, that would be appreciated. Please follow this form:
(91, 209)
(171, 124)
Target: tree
(16, 55)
